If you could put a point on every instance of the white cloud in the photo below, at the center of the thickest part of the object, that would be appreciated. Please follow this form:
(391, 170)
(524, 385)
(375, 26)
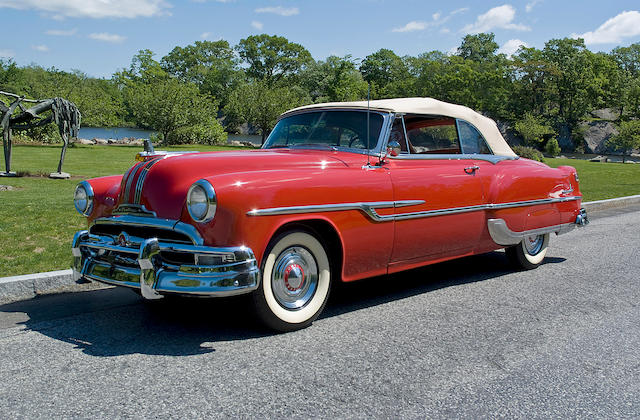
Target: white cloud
(41, 48)
(257, 25)
(529, 7)
(511, 47)
(91, 8)
(61, 32)
(279, 10)
(500, 17)
(614, 30)
(205, 35)
(436, 20)
(7, 54)
(107, 37)
(412, 26)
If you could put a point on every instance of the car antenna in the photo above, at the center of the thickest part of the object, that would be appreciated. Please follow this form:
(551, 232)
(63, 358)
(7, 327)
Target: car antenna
(368, 112)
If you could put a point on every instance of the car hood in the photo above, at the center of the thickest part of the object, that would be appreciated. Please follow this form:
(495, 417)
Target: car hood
(161, 184)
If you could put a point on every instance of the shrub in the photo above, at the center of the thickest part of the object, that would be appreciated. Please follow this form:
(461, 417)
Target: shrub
(529, 153)
(532, 129)
(212, 133)
(552, 148)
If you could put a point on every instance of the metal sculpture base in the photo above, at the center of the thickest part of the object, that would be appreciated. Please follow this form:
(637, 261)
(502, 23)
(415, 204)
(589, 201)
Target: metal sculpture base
(59, 175)
(8, 174)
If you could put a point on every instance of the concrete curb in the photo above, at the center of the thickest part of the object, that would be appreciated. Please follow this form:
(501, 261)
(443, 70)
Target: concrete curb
(31, 285)
(612, 203)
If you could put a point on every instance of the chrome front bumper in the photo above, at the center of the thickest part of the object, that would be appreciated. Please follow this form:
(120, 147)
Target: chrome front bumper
(139, 263)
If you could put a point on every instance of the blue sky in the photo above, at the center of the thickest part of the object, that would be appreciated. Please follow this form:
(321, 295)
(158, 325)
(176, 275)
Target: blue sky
(99, 37)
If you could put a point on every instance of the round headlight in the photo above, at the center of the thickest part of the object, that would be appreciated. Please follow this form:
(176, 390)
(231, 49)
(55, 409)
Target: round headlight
(83, 198)
(201, 201)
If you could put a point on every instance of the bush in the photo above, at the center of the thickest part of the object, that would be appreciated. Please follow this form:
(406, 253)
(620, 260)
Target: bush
(529, 153)
(552, 148)
(532, 129)
(212, 133)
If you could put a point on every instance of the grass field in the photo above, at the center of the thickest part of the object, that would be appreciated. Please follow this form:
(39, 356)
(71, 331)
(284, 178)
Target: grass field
(38, 220)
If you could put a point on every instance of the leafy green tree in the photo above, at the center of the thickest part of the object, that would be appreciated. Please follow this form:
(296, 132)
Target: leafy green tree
(480, 47)
(336, 79)
(627, 139)
(169, 105)
(569, 74)
(144, 69)
(260, 104)
(272, 59)
(533, 130)
(628, 93)
(387, 73)
(211, 65)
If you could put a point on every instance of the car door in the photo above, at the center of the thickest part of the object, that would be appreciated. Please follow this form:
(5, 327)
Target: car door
(433, 169)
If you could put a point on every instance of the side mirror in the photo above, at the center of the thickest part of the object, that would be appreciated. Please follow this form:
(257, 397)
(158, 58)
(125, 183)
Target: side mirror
(393, 148)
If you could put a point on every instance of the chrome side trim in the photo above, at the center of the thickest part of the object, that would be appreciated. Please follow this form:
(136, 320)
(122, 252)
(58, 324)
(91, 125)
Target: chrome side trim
(502, 235)
(369, 208)
(487, 158)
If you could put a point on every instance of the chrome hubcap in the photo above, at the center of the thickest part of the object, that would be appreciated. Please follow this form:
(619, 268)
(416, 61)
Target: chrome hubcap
(294, 279)
(533, 244)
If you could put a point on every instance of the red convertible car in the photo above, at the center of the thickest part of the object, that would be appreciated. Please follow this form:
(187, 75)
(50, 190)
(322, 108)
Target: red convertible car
(339, 192)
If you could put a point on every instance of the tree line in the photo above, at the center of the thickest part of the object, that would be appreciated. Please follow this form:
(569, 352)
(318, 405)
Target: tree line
(198, 92)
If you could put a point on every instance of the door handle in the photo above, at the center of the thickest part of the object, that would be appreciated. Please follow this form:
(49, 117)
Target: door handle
(471, 169)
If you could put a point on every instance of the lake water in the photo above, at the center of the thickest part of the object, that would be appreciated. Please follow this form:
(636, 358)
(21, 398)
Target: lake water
(139, 133)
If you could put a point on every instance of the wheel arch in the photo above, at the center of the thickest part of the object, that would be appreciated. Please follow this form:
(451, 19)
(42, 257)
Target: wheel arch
(326, 233)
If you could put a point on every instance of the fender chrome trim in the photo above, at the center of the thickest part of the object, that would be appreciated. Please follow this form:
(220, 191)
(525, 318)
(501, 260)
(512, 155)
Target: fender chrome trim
(369, 208)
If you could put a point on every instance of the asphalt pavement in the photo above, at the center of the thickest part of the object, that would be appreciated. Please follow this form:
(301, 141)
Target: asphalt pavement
(469, 338)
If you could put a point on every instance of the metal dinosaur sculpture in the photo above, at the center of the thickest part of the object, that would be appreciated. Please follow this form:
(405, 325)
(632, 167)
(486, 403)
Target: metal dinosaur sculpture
(64, 114)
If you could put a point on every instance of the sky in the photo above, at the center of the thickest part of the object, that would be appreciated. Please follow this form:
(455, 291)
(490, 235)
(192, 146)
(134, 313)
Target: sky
(99, 37)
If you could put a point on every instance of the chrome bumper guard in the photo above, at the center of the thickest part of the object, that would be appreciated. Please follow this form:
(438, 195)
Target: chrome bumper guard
(219, 271)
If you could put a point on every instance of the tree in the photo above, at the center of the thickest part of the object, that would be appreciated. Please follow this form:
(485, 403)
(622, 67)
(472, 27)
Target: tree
(169, 105)
(627, 139)
(533, 130)
(272, 59)
(628, 61)
(480, 47)
(336, 79)
(569, 73)
(211, 65)
(260, 104)
(386, 72)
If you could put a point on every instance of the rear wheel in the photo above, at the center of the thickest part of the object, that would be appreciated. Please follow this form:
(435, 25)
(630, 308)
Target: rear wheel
(530, 252)
(296, 279)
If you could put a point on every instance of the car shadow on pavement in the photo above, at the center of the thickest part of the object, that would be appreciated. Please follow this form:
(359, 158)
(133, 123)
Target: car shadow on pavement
(115, 321)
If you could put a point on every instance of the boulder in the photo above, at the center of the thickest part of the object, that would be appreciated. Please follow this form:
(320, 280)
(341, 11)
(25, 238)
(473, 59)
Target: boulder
(596, 136)
(101, 141)
(86, 141)
(607, 114)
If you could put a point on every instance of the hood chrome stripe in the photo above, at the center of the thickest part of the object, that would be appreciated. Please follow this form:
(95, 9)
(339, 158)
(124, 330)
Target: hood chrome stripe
(369, 208)
(138, 191)
(132, 174)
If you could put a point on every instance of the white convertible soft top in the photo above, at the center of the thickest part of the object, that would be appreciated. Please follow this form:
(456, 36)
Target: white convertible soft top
(428, 106)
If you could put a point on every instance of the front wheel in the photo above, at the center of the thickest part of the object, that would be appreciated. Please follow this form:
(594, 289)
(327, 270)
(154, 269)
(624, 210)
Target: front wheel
(296, 279)
(530, 252)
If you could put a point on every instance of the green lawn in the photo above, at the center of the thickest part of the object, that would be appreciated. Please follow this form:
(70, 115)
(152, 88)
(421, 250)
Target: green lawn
(599, 181)
(37, 220)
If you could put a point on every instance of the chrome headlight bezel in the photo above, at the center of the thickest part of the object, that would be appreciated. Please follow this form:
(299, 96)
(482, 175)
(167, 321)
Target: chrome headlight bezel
(210, 201)
(87, 208)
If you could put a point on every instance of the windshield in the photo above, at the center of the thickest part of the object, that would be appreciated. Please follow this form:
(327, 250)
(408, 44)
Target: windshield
(326, 129)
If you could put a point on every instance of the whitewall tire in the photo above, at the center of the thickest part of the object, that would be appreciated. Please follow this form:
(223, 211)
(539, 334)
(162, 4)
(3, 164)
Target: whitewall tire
(295, 284)
(530, 252)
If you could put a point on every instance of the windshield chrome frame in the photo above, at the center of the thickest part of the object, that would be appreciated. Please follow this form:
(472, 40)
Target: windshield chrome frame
(385, 129)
